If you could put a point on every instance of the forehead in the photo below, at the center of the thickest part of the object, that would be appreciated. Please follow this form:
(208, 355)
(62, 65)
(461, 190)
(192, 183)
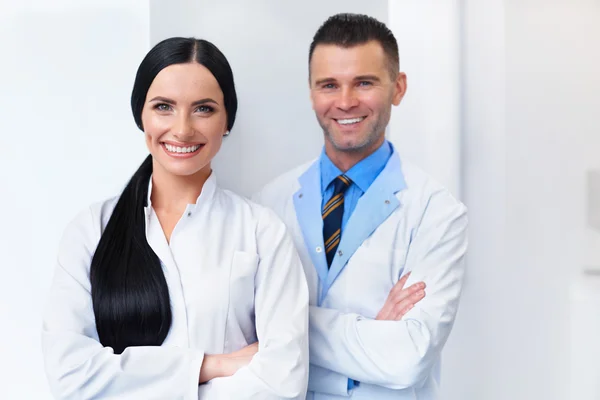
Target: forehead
(332, 61)
(185, 82)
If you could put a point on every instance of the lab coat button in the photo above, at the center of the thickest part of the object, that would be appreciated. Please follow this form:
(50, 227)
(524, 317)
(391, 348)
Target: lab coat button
(189, 214)
(387, 202)
(318, 249)
(340, 253)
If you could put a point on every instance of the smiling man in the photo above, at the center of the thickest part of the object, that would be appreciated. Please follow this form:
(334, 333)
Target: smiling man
(382, 243)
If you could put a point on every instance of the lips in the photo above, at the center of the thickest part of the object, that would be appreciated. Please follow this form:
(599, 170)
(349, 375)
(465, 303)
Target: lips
(178, 149)
(350, 121)
(181, 150)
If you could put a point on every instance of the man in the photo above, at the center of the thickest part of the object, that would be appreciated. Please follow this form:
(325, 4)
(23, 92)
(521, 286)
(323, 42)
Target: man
(363, 220)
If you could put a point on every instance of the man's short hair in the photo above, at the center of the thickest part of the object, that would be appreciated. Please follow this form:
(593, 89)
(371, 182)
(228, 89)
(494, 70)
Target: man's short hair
(349, 30)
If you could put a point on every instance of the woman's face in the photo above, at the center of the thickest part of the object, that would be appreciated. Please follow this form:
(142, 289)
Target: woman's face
(184, 119)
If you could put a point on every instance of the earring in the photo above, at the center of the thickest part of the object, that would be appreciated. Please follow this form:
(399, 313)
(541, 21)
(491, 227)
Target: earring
(226, 133)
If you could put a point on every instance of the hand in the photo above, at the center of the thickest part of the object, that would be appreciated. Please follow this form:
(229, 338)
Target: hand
(222, 365)
(238, 359)
(401, 300)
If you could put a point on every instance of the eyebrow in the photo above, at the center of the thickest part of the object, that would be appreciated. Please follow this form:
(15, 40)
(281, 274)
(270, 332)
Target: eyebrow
(367, 78)
(173, 102)
(373, 78)
(325, 80)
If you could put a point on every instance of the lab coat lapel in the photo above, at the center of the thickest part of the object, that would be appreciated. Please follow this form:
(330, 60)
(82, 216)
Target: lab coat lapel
(307, 203)
(372, 209)
(158, 242)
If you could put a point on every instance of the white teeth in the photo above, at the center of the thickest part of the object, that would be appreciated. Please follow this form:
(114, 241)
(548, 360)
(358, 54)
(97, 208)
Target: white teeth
(175, 149)
(350, 121)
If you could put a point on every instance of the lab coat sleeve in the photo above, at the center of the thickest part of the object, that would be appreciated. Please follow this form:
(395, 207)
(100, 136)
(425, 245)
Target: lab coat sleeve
(279, 370)
(320, 379)
(325, 381)
(77, 365)
(400, 354)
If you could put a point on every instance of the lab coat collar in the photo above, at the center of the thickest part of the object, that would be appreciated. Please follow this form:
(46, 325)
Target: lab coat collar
(206, 195)
(307, 203)
(374, 207)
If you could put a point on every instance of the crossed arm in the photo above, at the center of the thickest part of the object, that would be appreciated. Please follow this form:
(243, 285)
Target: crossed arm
(398, 348)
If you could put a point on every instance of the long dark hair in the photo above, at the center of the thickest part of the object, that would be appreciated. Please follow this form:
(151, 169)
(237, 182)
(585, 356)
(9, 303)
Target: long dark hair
(129, 290)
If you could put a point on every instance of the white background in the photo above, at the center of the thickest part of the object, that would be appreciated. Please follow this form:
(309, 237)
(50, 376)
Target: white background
(66, 72)
(501, 107)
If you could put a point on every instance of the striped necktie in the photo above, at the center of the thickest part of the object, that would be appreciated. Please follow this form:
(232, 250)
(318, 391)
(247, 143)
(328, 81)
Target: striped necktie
(332, 217)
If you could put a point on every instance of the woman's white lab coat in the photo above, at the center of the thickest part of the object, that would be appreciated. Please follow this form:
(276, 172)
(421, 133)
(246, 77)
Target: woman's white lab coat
(234, 277)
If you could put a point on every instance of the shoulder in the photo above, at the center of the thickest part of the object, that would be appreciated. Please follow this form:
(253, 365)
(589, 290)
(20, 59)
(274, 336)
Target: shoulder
(92, 219)
(282, 187)
(249, 212)
(426, 195)
(81, 236)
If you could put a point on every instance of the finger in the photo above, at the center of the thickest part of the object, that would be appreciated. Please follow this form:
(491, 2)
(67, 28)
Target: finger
(401, 313)
(409, 291)
(384, 312)
(397, 294)
(400, 284)
(387, 310)
(411, 300)
(402, 307)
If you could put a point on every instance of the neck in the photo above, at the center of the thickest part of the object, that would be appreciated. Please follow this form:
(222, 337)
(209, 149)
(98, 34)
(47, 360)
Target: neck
(172, 193)
(346, 159)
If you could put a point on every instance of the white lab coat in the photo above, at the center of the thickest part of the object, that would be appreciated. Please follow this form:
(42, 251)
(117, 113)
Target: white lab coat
(234, 277)
(416, 226)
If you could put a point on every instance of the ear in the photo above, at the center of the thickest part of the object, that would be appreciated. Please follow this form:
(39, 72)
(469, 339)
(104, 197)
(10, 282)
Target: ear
(400, 87)
(310, 94)
(312, 102)
(225, 127)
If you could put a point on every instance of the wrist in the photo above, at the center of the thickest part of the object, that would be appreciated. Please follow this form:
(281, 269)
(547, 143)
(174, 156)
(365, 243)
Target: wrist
(212, 367)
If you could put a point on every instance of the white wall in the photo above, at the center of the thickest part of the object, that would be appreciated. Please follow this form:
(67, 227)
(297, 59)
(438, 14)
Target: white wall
(531, 131)
(471, 368)
(426, 126)
(266, 42)
(553, 98)
(69, 139)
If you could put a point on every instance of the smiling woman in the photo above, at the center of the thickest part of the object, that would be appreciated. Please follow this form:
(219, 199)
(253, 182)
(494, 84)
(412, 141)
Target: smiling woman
(177, 283)
(185, 119)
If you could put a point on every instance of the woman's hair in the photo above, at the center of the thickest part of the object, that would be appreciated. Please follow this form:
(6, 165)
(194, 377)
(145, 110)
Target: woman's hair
(129, 290)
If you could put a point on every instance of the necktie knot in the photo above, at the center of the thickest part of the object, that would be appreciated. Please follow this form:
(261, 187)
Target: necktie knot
(340, 184)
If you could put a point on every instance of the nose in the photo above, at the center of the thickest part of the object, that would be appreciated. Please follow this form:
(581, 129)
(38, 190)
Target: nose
(183, 128)
(347, 99)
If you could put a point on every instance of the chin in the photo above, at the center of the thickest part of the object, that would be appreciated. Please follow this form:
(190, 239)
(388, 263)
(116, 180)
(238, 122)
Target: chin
(348, 144)
(182, 169)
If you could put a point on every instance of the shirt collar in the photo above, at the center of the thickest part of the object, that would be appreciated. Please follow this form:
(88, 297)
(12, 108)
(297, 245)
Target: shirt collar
(208, 189)
(362, 174)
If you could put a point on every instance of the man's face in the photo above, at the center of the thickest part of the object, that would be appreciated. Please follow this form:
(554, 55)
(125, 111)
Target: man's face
(352, 92)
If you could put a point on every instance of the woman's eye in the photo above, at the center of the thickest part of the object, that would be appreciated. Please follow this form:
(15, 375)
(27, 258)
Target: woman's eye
(204, 109)
(163, 107)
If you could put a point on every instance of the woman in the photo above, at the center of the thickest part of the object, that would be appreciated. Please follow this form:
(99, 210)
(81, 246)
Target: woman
(163, 292)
